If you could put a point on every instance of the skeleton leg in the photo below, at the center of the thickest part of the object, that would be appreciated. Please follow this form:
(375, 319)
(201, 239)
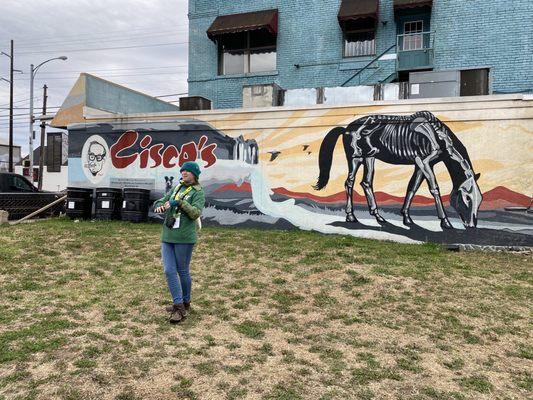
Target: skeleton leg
(367, 182)
(353, 166)
(354, 143)
(426, 169)
(425, 128)
(372, 150)
(366, 130)
(412, 188)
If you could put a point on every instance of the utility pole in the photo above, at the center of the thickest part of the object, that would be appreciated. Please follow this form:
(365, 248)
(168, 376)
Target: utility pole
(33, 71)
(41, 153)
(11, 110)
(10, 81)
(32, 120)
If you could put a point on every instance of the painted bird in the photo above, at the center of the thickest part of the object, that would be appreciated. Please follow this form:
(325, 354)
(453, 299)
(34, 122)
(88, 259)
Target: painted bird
(274, 154)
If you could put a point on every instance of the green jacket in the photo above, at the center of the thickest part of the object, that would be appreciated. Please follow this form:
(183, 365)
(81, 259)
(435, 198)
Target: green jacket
(189, 209)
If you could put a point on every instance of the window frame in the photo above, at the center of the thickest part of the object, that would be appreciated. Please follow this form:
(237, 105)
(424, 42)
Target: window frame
(414, 34)
(365, 30)
(247, 52)
(54, 151)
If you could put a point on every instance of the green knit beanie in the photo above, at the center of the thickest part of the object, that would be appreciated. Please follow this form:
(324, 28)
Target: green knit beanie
(192, 167)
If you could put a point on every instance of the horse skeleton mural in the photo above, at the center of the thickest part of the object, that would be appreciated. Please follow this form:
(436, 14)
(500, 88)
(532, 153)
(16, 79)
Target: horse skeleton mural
(259, 169)
(419, 139)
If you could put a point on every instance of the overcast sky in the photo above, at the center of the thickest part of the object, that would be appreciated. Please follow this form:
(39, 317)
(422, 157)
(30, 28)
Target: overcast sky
(141, 44)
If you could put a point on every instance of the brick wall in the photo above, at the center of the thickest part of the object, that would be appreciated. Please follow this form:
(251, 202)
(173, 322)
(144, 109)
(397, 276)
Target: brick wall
(469, 33)
(480, 33)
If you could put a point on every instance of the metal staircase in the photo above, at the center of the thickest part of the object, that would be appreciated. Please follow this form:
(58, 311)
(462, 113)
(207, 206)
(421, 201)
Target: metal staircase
(367, 66)
(414, 52)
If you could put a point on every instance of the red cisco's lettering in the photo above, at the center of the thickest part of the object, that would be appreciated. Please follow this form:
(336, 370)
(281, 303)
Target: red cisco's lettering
(169, 157)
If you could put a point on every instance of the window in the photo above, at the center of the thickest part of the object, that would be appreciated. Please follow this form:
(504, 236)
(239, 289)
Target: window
(17, 184)
(359, 38)
(413, 38)
(54, 148)
(359, 43)
(247, 52)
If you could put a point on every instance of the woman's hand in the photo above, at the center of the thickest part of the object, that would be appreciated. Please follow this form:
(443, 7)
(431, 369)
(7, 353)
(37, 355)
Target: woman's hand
(162, 208)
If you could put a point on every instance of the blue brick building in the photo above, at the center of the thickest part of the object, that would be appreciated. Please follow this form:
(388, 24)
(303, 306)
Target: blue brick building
(329, 43)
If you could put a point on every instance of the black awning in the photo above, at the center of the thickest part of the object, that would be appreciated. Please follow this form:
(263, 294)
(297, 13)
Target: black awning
(358, 9)
(403, 4)
(251, 21)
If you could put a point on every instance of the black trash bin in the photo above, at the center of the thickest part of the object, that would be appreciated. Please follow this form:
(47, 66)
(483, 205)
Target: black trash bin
(79, 203)
(135, 204)
(107, 204)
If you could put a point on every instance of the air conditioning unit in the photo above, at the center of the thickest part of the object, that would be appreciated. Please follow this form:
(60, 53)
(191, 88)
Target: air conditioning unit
(255, 96)
(193, 103)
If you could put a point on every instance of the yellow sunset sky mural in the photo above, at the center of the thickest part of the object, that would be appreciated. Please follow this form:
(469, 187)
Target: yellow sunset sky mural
(499, 141)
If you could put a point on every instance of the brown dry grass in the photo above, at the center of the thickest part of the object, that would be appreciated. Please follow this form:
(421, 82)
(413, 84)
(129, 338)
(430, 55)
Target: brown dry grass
(276, 315)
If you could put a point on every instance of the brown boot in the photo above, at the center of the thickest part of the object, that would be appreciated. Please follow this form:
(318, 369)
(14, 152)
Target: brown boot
(178, 314)
(187, 306)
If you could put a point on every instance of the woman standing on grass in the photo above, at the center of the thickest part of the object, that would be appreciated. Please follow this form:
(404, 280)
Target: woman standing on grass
(182, 206)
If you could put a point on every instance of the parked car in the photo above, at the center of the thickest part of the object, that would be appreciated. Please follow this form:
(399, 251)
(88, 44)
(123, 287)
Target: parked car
(19, 197)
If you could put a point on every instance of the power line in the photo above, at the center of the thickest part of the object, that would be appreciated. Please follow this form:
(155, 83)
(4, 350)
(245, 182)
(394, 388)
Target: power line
(18, 101)
(22, 108)
(112, 69)
(99, 40)
(65, 46)
(15, 115)
(18, 116)
(61, 89)
(24, 118)
(103, 48)
(58, 107)
(170, 95)
(110, 76)
(85, 36)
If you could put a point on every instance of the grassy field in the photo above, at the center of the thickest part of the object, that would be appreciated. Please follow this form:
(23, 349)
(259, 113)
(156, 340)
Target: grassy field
(276, 315)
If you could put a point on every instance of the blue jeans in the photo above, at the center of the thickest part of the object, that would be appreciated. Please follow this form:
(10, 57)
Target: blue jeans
(176, 259)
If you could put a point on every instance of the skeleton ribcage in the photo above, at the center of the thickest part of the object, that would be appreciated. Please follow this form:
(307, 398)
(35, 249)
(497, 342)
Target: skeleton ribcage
(401, 141)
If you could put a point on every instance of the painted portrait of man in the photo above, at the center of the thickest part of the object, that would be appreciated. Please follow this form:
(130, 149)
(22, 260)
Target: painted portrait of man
(96, 157)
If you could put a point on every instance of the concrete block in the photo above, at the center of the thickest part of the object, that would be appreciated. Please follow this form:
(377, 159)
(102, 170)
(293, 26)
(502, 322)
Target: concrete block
(3, 217)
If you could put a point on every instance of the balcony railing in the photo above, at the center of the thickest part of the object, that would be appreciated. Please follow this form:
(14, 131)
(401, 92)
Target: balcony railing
(415, 51)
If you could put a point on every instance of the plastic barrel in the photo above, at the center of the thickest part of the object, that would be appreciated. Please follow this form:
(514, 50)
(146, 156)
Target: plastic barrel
(107, 203)
(135, 204)
(79, 203)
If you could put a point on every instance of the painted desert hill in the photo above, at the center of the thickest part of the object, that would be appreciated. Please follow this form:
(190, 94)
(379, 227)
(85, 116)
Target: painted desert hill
(495, 199)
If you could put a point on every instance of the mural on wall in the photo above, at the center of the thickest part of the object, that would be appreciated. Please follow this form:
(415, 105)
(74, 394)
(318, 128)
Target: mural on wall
(94, 154)
(421, 140)
(103, 155)
(259, 169)
(168, 183)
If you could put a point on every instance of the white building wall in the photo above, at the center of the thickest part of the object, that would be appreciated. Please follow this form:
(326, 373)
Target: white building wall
(52, 181)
